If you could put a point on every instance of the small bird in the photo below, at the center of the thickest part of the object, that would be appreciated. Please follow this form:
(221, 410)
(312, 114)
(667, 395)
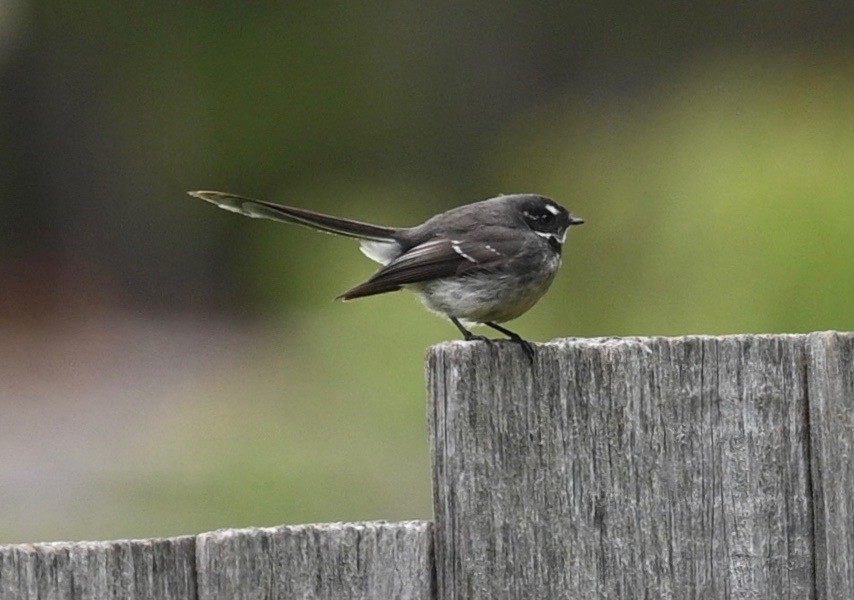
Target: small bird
(482, 263)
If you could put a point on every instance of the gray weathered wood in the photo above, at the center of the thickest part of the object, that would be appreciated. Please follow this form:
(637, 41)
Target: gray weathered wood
(340, 561)
(368, 561)
(831, 403)
(128, 570)
(644, 468)
(693, 467)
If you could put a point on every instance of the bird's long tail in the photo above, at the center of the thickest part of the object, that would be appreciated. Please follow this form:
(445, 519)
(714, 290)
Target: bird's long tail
(260, 209)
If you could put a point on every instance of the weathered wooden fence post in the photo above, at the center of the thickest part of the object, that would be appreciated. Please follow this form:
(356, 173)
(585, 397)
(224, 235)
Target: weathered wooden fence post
(125, 569)
(339, 561)
(696, 467)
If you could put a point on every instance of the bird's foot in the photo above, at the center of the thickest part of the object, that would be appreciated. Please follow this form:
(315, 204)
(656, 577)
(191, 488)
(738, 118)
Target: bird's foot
(468, 335)
(527, 347)
(471, 337)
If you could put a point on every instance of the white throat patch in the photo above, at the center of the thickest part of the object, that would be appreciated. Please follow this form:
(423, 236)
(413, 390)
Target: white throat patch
(546, 235)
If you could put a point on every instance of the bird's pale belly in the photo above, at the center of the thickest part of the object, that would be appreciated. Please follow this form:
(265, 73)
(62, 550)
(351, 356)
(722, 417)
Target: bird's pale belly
(486, 297)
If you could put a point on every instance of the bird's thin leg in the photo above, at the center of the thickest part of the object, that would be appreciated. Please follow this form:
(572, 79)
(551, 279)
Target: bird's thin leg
(527, 346)
(513, 336)
(468, 335)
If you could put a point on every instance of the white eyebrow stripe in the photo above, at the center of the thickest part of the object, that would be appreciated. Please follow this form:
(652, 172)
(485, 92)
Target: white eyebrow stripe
(552, 209)
(458, 250)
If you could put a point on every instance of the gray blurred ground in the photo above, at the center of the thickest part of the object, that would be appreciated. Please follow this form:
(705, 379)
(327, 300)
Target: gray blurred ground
(82, 400)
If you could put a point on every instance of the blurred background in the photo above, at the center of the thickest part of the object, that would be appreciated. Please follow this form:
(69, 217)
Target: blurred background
(170, 368)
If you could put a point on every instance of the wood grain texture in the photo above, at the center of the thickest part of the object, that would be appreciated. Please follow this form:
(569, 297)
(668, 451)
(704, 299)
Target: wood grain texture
(642, 468)
(695, 467)
(831, 402)
(128, 570)
(338, 561)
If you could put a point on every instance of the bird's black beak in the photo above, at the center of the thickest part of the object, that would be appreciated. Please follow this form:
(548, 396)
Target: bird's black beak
(575, 220)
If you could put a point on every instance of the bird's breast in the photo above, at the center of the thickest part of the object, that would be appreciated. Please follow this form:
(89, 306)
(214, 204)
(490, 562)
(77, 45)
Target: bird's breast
(482, 297)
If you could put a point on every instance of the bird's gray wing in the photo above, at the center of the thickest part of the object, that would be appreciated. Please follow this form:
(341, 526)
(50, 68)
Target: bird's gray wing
(435, 259)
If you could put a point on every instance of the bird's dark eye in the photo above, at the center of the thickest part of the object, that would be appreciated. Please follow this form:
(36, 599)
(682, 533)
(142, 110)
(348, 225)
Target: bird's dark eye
(539, 216)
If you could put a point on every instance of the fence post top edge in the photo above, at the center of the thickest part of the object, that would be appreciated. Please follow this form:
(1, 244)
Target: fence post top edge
(456, 346)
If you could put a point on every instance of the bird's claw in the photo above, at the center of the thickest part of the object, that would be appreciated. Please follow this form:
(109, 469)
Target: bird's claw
(477, 338)
(527, 348)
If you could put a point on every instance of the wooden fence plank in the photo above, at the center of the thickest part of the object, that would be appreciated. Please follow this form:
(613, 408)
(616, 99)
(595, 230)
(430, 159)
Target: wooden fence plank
(831, 401)
(162, 569)
(630, 468)
(338, 561)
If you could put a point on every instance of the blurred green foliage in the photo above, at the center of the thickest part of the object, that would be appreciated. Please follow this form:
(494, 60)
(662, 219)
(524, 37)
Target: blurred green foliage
(722, 201)
(709, 151)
